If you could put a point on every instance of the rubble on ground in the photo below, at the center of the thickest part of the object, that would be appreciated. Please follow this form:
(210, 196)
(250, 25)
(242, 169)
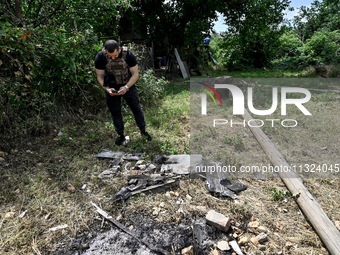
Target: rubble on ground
(216, 233)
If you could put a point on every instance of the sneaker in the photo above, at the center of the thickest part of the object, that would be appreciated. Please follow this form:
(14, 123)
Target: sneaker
(146, 136)
(120, 140)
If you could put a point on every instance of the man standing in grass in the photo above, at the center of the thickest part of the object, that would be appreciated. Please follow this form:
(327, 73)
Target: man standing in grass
(117, 72)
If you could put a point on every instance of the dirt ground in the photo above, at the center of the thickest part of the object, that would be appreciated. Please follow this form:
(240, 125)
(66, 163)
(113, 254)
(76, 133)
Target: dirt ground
(313, 143)
(43, 188)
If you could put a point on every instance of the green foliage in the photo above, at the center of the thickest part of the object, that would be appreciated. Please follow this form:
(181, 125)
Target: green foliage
(168, 149)
(150, 88)
(72, 15)
(280, 194)
(325, 46)
(253, 32)
(322, 48)
(228, 52)
(322, 15)
(43, 65)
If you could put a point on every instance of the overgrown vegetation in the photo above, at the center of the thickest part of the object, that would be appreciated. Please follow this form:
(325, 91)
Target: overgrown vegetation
(53, 119)
(311, 39)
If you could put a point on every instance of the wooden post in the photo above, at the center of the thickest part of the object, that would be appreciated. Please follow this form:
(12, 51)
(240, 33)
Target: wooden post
(325, 228)
(181, 65)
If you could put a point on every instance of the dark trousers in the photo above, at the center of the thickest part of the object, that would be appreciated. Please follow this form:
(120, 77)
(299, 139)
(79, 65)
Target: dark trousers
(132, 99)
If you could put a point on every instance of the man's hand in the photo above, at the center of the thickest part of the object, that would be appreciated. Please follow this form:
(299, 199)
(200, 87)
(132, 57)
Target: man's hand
(122, 90)
(112, 92)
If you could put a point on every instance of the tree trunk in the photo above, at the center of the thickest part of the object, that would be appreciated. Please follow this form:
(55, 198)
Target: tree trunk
(18, 9)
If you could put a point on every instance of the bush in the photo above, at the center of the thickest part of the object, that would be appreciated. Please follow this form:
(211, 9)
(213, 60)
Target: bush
(322, 48)
(150, 88)
(324, 45)
(39, 67)
(228, 52)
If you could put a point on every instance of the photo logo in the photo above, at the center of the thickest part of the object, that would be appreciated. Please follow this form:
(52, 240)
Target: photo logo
(238, 99)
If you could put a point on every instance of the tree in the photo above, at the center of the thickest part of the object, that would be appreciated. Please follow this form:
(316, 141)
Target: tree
(178, 23)
(255, 27)
(321, 15)
(72, 15)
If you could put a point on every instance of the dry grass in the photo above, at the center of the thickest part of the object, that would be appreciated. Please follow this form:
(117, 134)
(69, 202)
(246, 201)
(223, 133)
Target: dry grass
(38, 181)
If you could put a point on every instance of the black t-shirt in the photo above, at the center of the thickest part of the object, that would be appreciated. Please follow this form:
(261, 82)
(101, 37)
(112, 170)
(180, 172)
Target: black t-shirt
(100, 64)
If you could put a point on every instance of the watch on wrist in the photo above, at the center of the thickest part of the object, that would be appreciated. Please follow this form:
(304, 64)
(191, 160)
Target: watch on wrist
(127, 88)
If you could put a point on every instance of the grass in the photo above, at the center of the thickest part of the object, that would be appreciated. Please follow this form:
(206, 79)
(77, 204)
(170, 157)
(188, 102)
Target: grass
(36, 176)
(37, 181)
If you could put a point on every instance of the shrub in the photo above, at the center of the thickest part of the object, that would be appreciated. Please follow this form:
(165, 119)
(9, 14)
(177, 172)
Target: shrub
(325, 45)
(150, 88)
(41, 66)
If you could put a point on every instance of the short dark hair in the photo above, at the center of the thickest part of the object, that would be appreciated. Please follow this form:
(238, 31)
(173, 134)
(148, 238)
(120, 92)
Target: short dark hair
(111, 46)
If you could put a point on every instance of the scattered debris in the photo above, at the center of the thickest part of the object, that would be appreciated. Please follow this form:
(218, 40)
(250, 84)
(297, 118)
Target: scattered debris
(254, 240)
(215, 186)
(223, 246)
(70, 188)
(188, 251)
(144, 183)
(215, 252)
(22, 214)
(235, 247)
(109, 173)
(218, 220)
(262, 229)
(133, 156)
(233, 186)
(9, 215)
(56, 228)
(200, 232)
(243, 241)
(110, 154)
(253, 224)
(262, 237)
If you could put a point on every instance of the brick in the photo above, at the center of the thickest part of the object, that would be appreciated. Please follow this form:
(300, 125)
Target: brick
(253, 224)
(218, 220)
(254, 240)
(262, 229)
(188, 251)
(223, 246)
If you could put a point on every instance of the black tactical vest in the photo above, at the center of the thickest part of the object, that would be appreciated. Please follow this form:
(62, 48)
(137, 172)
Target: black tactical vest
(118, 67)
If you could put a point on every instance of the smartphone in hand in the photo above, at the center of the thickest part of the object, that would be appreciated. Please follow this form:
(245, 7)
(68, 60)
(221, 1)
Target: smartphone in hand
(114, 91)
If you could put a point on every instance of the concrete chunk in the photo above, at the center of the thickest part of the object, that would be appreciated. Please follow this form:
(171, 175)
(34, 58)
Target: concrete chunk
(262, 238)
(223, 246)
(109, 173)
(218, 220)
(235, 247)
